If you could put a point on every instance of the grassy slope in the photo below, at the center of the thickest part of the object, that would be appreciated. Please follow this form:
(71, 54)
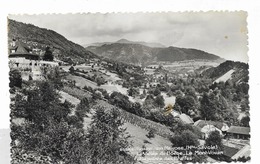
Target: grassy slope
(138, 134)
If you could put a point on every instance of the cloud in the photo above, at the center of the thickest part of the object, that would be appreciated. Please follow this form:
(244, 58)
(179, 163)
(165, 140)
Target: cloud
(220, 33)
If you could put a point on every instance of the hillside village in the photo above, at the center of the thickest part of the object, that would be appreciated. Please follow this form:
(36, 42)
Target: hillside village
(159, 103)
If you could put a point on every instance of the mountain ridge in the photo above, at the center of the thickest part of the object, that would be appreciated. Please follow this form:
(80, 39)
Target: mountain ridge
(127, 51)
(125, 41)
(37, 37)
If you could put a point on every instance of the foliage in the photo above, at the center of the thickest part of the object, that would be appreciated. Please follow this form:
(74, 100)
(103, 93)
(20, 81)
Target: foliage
(15, 78)
(71, 69)
(180, 127)
(185, 104)
(64, 49)
(151, 134)
(108, 138)
(149, 102)
(156, 92)
(245, 121)
(82, 108)
(214, 139)
(213, 107)
(48, 54)
(120, 100)
(159, 101)
(54, 75)
(187, 135)
(46, 131)
(133, 92)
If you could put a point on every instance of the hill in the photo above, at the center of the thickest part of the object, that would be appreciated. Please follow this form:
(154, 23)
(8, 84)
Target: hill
(37, 37)
(138, 53)
(229, 70)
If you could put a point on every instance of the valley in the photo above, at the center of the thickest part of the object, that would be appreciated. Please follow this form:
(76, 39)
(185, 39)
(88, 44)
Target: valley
(71, 104)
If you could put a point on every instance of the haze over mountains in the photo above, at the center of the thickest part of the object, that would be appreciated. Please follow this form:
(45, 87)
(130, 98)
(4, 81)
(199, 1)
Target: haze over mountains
(144, 53)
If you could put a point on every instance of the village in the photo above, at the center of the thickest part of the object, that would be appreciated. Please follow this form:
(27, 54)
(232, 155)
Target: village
(139, 85)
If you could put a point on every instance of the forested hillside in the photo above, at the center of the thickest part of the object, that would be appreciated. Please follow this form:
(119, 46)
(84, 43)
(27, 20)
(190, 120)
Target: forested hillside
(37, 37)
(240, 73)
(140, 53)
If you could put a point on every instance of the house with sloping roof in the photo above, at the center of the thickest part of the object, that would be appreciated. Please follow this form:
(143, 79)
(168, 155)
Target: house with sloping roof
(185, 119)
(238, 132)
(220, 125)
(21, 50)
(229, 152)
(207, 129)
(233, 153)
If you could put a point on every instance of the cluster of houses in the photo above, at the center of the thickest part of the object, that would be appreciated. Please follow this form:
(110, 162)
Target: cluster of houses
(235, 138)
(25, 59)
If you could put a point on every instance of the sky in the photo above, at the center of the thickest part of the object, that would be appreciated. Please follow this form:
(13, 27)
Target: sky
(220, 33)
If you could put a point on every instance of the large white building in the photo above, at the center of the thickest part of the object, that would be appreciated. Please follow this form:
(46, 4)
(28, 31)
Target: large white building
(21, 57)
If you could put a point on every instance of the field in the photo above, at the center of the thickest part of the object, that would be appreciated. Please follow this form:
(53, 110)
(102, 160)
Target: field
(81, 82)
(225, 77)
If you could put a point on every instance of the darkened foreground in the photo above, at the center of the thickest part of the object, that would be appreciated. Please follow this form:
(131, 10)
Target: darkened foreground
(44, 131)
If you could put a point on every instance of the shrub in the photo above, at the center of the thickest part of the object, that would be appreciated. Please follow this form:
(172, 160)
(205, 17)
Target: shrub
(151, 134)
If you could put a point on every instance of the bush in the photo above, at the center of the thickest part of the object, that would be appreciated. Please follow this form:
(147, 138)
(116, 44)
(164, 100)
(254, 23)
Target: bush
(151, 134)
(15, 79)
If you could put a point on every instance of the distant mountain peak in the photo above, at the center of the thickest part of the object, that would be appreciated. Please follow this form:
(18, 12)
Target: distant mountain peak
(123, 41)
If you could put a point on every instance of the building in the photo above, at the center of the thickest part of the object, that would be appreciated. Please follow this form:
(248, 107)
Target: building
(220, 125)
(185, 119)
(238, 132)
(207, 129)
(233, 153)
(22, 56)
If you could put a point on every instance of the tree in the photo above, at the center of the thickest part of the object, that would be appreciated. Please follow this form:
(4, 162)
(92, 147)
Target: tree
(159, 101)
(15, 78)
(108, 138)
(186, 103)
(187, 138)
(215, 139)
(208, 108)
(120, 100)
(71, 69)
(149, 102)
(82, 108)
(46, 131)
(133, 92)
(156, 92)
(180, 127)
(48, 54)
(100, 80)
(245, 121)
(151, 134)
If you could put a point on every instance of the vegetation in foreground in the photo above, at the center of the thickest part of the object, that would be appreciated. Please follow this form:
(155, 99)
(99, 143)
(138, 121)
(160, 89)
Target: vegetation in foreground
(49, 134)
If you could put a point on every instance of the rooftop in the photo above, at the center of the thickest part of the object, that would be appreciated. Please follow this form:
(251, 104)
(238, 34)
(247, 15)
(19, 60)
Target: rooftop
(239, 130)
(229, 151)
(186, 119)
(220, 125)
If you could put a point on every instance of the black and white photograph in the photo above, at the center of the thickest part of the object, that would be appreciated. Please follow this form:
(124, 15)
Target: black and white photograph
(129, 88)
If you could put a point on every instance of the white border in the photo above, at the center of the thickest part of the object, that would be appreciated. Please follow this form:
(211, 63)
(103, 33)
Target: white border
(103, 6)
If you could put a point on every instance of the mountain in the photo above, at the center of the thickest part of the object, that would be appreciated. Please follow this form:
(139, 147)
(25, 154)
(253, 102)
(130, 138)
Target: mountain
(37, 37)
(237, 72)
(125, 41)
(137, 53)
